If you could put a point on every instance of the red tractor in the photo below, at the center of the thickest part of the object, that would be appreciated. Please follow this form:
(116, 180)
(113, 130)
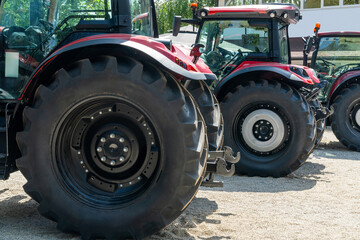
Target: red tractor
(269, 106)
(100, 120)
(336, 58)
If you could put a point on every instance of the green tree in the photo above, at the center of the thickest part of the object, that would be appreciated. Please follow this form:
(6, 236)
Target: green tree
(166, 10)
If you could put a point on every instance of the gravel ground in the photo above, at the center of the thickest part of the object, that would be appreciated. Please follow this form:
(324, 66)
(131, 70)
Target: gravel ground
(321, 200)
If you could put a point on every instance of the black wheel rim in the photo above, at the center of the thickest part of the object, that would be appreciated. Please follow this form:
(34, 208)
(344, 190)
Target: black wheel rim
(262, 129)
(107, 151)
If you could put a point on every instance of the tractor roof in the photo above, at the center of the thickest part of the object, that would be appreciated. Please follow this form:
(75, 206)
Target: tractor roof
(339, 34)
(287, 13)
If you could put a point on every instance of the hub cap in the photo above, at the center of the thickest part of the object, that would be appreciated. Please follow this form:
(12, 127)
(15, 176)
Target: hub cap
(263, 130)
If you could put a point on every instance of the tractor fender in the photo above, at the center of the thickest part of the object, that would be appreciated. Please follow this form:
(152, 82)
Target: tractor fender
(256, 73)
(342, 82)
(106, 45)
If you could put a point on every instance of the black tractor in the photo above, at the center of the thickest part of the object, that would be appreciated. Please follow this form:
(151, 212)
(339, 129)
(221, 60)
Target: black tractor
(99, 118)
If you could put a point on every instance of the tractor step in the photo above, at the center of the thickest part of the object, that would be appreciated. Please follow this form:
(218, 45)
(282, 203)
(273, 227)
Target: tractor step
(4, 168)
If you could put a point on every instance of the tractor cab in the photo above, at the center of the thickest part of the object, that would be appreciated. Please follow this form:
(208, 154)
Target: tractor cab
(31, 29)
(232, 35)
(336, 55)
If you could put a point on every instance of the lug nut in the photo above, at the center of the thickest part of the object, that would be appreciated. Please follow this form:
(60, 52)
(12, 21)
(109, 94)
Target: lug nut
(99, 149)
(112, 135)
(122, 159)
(122, 140)
(103, 158)
(126, 149)
(102, 139)
(112, 163)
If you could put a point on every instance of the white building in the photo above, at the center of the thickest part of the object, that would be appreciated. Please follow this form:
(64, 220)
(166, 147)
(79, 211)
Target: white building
(334, 15)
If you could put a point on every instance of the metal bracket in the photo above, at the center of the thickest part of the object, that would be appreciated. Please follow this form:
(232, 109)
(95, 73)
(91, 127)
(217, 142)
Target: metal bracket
(226, 154)
(323, 113)
(222, 162)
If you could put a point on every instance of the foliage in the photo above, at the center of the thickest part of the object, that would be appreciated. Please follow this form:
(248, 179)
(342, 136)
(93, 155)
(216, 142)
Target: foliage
(17, 13)
(166, 10)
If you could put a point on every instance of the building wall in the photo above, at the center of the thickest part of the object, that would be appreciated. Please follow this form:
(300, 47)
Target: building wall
(334, 15)
(331, 18)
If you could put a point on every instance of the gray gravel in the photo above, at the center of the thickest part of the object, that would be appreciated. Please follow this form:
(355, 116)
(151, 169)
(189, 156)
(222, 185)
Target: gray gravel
(321, 200)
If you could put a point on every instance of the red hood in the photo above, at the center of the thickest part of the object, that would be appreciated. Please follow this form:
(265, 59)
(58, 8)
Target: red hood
(183, 53)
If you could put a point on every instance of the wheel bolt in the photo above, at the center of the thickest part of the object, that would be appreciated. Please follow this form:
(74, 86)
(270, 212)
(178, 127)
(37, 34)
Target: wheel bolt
(126, 149)
(122, 159)
(102, 139)
(103, 159)
(112, 163)
(112, 135)
(122, 140)
(99, 149)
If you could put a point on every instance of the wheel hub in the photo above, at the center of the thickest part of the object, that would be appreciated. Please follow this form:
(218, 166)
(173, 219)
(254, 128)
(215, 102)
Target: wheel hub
(113, 148)
(263, 130)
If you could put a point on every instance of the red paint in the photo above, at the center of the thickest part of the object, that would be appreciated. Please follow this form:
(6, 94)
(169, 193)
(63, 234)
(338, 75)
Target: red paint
(313, 78)
(339, 33)
(177, 52)
(346, 76)
(262, 9)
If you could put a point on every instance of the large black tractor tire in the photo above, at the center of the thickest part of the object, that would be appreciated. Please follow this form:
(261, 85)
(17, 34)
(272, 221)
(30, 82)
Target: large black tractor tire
(210, 110)
(272, 126)
(112, 148)
(320, 124)
(345, 122)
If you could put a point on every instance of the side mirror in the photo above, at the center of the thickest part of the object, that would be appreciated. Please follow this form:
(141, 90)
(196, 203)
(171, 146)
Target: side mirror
(176, 25)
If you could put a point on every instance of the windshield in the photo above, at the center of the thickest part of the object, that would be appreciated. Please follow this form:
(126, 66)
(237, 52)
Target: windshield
(284, 47)
(141, 17)
(337, 55)
(228, 42)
